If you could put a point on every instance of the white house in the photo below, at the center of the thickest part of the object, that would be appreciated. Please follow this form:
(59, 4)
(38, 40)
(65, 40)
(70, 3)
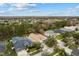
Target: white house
(61, 43)
(73, 28)
(68, 51)
(50, 33)
(22, 53)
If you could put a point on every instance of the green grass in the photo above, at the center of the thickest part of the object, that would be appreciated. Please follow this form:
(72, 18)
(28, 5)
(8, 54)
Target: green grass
(59, 37)
(31, 50)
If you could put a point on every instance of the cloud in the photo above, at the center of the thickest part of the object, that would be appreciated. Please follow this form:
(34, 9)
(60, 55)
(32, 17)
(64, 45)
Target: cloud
(14, 8)
(35, 10)
(72, 11)
(2, 12)
(20, 6)
(17, 6)
(30, 9)
(1, 4)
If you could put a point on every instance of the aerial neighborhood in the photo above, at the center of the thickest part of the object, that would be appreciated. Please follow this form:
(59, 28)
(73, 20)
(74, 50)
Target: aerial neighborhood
(39, 36)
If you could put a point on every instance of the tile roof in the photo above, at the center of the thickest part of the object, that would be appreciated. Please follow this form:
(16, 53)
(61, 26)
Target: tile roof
(37, 37)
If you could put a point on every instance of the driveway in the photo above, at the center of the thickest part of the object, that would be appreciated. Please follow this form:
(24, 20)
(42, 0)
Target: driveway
(38, 54)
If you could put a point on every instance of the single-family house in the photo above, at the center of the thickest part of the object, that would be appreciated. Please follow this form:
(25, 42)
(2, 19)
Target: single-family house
(37, 37)
(65, 29)
(50, 33)
(20, 43)
(72, 28)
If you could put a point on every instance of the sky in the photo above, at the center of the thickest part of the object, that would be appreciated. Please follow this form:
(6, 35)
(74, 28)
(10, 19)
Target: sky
(39, 9)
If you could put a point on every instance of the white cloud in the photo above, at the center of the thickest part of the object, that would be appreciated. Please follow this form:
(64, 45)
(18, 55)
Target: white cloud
(21, 6)
(2, 11)
(16, 7)
(31, 5)
(35, 10)
(1, 4)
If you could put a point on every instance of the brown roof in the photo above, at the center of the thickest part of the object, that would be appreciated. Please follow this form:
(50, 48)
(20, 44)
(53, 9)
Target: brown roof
(37, 37)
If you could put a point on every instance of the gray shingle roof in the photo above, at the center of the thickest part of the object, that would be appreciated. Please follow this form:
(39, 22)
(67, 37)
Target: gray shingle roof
(62, 30)
(20, 43)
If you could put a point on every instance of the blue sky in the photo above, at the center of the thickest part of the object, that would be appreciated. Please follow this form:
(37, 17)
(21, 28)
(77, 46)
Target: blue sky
(39, 9)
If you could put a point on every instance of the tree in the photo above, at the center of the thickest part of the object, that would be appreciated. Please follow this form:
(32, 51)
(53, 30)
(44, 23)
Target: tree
(76, 37)
(5, 30)
(67, 34)
(9, 51)
(59, 51)
(19, 29)
(51, 41)
(60, 24)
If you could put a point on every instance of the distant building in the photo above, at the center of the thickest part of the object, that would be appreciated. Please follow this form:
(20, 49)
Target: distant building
(62, 30)
(37, 37)
(20, 43)
(50, 33)
(72, 28)
(66, 29)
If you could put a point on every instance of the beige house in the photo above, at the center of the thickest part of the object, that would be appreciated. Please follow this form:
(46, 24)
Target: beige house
(37, 37)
